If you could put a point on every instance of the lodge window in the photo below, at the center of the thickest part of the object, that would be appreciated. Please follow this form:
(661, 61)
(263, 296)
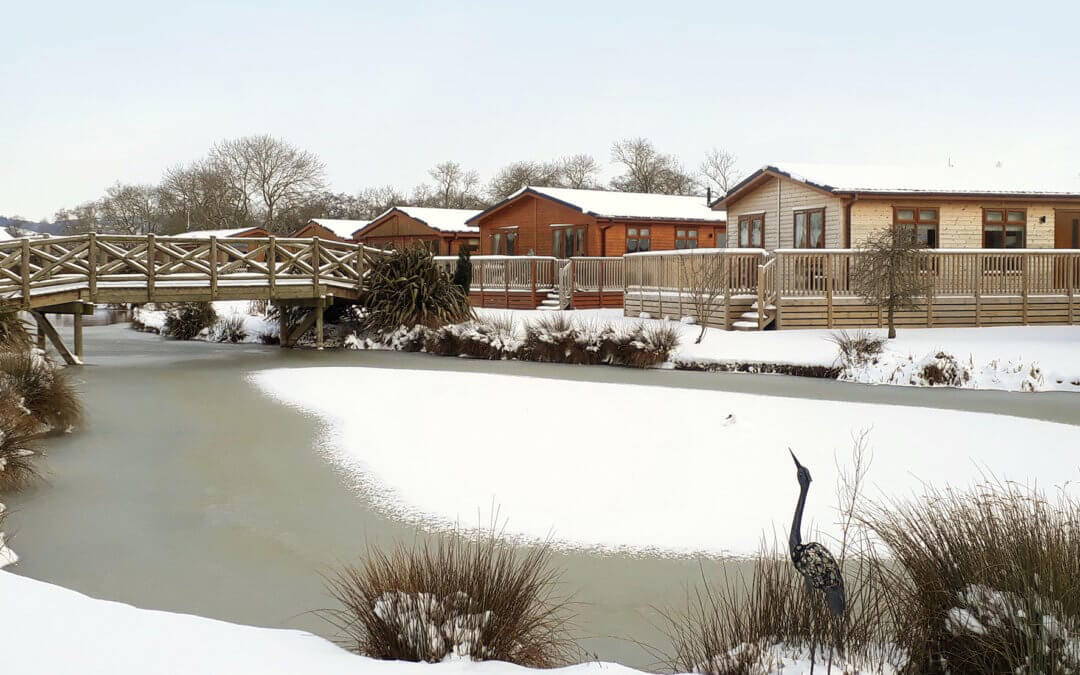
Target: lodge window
(1004, 228)
(752, 231)
(567, 242)
(686, 238)
(809, 229)
(924, 221)
(638, 239)
(432, 246)
(504, 243)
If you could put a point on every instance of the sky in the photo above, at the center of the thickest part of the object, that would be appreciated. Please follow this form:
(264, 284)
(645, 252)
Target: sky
(94, 93)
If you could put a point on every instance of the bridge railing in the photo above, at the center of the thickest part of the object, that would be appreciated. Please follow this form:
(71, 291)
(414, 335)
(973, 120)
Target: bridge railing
(90, 260)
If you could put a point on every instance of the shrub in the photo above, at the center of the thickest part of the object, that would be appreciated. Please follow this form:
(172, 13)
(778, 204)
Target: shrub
(480, 599)
(551, 338)
(406, 288)
(444, 341)
(944, 370)
(492, 336)
(859, 347)
(989, 576)
(269, 338)
(45, 391)
(463, 270)
(13, 333)
(17, 429)
(641, 345)
(188, 320)
(230, 329)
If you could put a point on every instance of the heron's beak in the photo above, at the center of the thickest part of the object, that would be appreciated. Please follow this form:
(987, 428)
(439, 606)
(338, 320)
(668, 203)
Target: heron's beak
(794, 458)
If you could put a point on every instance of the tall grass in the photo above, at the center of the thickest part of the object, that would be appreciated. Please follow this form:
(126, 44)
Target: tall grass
(479, 598)
(45, 391)
(17, 432)
(187, 320)
(990, 577)
(406, 289)
(14, 335)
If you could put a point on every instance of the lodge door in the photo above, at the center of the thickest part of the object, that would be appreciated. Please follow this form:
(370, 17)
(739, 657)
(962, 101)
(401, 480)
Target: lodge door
(1067, 229)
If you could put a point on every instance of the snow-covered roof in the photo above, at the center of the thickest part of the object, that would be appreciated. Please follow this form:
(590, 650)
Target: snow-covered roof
(962, 179)
(445, 220)
(206, 234)
(610, 204)
(342, 228)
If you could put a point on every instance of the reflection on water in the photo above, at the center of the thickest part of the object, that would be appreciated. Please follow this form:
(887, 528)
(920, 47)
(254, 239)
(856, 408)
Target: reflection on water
(189, 491)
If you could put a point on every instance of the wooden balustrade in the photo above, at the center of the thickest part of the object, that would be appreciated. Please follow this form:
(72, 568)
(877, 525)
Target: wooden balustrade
(92, 262)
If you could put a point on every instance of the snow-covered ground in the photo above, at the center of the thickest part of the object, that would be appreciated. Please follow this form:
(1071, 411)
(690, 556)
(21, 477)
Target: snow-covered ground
(640, 467)
(49, 629)
(997, 358)
(254, 325)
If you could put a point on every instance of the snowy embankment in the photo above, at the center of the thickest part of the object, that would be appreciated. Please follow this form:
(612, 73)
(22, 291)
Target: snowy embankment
(645, 468)
(49, 629)
(254, 325)
(1011, 358)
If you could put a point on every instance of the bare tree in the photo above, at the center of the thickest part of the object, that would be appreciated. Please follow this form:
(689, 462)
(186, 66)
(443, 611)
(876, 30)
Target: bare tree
(513, 177)
(131, 209)
(578, 171)
(205, 194)
(720, 169)
(272, 171)
(454, 188)
(379, 199)
(647, 170)
(703, 277)
(890, 271)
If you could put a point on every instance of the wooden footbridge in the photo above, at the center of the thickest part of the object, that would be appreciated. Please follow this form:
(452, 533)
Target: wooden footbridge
(69, 275)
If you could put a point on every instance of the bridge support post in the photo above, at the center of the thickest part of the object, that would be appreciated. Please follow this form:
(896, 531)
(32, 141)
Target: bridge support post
(45, 329)
(319, 308)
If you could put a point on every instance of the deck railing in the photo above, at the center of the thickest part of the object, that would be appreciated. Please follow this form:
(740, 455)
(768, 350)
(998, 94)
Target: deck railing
(663, 272)
(493, 273)
(597, 275)
(32, 266)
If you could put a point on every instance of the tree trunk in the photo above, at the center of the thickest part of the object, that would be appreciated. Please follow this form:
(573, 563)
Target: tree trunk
(892, 324)
(702, 333)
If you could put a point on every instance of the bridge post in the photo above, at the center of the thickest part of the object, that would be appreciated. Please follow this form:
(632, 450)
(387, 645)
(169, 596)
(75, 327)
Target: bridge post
(319, 306)
(271, 265)
(283, 325)
(77, 338)
(213, 268)
(150, 246)
(91, 264)
(26, 272)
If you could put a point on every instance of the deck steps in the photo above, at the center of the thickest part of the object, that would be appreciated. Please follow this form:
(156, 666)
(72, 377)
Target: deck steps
(551, 303)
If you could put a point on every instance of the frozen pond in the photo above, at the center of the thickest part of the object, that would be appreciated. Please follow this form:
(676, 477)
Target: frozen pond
(191, 491)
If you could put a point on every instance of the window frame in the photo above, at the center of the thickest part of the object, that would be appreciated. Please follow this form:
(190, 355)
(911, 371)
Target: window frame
(686, 241)
(806, 238)
(748, 220)
(561, 236)
(918, 221)
(637, 235)
(1003, 226)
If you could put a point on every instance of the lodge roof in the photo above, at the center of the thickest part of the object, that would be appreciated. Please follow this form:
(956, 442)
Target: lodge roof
(444, 220)
(611, 204)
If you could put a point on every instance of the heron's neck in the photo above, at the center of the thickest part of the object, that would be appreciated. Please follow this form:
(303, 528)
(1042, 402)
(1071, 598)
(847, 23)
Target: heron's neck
(796, 523)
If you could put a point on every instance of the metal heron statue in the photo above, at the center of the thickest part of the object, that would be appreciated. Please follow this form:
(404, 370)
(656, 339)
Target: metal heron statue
(817, 566)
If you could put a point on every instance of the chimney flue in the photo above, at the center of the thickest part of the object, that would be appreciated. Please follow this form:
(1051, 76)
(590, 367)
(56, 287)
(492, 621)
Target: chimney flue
(708, 196)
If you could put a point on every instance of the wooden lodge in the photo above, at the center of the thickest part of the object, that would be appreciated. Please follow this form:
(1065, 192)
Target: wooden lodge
(567, 223)
(331, 229)
(441, 231)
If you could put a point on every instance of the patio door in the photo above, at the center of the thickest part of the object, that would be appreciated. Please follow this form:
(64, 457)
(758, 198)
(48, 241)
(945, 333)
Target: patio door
(1067, 235)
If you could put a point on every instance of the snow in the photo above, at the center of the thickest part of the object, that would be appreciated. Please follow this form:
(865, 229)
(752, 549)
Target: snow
(618, 466)
(1001, 357)
(49, 629)
(7, 556)
(610, 204)
(961, 178)
(254, 325)
(446, 220)
(342, 228)
(206, 234)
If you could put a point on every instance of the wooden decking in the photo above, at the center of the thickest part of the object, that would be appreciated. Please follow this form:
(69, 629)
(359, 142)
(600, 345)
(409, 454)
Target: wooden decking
(65, 275)
(798, 288)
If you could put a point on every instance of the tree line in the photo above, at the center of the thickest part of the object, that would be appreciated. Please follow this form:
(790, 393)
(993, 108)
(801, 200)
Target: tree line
(263, 181)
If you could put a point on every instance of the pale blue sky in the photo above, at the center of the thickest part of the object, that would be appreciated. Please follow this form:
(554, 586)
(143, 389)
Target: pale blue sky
(95, 92)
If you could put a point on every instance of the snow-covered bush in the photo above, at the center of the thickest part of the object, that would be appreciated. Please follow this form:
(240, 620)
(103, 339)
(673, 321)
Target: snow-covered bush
(944, 370)
(13, 333)
(41, 388)
(7, 556)
(476, 599)
(859, 347)
(989, 578)
(186, 321)
(17, 430)
(493, 336)
(551, 338)
(230, 329)
(406, 288)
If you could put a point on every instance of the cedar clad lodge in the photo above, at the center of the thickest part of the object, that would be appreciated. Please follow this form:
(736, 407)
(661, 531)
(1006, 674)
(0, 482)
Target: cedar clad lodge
(330, 229)
(441, 231)
(820, 206)
(568, 223)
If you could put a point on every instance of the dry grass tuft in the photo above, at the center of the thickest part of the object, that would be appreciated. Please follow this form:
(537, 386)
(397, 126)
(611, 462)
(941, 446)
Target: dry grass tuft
(187, 320)
(479, 598)
(45, 391)
(551, 338)
(989, 576)
(17, 432)
(857, 347)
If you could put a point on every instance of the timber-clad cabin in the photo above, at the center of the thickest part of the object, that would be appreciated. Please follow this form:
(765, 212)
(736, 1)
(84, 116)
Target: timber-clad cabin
(332, 229)
(567, 223)
(822, 206)
(441, 231)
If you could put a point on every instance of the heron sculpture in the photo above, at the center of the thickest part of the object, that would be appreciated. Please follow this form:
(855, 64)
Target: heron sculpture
(813, 561)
